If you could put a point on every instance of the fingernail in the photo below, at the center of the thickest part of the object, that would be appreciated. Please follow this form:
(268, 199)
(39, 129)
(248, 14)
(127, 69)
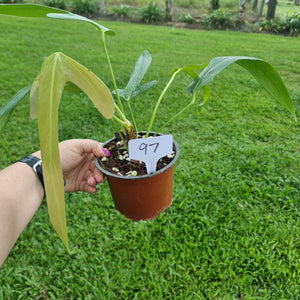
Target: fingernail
(106, 152)
(95, 181)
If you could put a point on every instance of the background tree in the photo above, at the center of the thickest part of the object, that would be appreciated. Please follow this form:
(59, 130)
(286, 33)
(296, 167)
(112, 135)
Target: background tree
(242, 10)
(255, 3)
(215, 4)
(100, 4)
(169, 10)
(271, 9)
(261, 9)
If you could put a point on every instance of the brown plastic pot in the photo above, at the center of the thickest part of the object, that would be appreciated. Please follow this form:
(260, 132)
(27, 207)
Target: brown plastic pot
(142, 197)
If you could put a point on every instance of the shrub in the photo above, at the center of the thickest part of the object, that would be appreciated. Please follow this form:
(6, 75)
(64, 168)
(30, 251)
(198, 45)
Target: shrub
(122, 11)
(84, 7)
(187, 18)
(218, 19)
(11, 1)
(269, 25)
(151, 13)
(55, 3)
(290, 24)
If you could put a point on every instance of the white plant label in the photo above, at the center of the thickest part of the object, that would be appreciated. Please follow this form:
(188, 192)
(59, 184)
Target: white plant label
(150, 150)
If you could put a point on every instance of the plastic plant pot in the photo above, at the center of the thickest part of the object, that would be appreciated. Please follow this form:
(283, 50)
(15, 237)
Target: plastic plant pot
(142, 197)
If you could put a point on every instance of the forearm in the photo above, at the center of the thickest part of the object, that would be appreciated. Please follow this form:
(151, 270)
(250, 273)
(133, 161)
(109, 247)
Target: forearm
(21, 194)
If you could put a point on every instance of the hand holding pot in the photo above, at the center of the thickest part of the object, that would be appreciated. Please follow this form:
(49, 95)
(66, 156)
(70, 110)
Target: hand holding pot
(77, 161)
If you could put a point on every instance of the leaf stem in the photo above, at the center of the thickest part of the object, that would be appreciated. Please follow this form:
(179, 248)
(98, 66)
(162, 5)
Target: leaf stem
(160, 99)
(120, 108)
(179, 113)
(132, 117)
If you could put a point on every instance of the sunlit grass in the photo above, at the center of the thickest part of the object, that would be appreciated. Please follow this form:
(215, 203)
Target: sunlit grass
(233, 229)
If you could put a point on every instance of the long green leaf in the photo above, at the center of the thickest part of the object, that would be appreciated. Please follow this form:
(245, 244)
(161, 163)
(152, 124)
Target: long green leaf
(28, 10)
(190, 69)
(4, 119)
(75, 17)
(35, 10)
(7, 109)
(139, 71)
(14, 100)
(143, 88)
(46, 92)
(263, 72)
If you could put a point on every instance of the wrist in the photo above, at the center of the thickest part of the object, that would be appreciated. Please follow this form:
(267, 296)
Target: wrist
(36, 164)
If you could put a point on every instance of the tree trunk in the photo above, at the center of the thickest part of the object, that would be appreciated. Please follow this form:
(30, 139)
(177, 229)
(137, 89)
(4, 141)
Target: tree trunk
(261, 9)
(169, 10)
(242, 9)
(271, 9)
(255, 3)
(215, 4)
(100, 7)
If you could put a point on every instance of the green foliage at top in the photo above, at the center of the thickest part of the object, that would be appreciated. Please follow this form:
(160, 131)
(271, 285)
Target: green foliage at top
(289, 24)
(219, 19)
(151, 13)
(122, 10)
(56, 3)
(28, 10)
(85, 7)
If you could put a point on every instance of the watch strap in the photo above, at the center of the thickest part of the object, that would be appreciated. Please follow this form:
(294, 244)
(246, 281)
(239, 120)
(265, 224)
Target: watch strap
(36, 164)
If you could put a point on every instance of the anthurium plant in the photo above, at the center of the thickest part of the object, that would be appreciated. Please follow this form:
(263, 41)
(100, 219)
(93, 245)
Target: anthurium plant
(59, 71)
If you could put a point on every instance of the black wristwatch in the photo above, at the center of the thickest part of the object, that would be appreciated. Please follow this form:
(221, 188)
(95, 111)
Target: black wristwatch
(36, 164)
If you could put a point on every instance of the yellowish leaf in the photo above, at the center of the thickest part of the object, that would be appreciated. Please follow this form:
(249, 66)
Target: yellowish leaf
(56, 71)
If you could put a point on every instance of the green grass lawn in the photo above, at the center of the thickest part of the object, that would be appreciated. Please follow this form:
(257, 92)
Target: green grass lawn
(233, 229)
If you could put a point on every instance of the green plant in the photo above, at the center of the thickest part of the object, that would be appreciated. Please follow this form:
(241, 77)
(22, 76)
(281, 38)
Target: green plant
(122, 11)
(187, 18)
(11, 1)
(290, 24)
(218, 19)
(56, 3)
(151, 13)
(58, 70)
(84, 7)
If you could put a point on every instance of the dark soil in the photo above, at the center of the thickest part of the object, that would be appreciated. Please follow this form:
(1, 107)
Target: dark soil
(119, 163)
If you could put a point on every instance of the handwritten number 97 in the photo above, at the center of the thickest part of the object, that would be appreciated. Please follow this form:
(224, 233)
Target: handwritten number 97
(144, 147)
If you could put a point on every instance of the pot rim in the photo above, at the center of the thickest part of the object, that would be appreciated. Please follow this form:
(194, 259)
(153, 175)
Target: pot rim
(107, 173)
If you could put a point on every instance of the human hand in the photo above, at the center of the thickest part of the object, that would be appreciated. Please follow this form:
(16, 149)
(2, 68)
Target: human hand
(77, 161)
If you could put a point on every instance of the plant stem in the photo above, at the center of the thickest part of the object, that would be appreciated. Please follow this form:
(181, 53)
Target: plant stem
(179, 113)
(120, 108)
(118, 120)
(125, 123)
(133, 119)
(120, 134)
(120, 112)
(159, 101)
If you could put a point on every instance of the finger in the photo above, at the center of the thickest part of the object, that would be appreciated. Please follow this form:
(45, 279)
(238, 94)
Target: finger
(100, 151)
(90, 189)
(91, 181)
(98, 176)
